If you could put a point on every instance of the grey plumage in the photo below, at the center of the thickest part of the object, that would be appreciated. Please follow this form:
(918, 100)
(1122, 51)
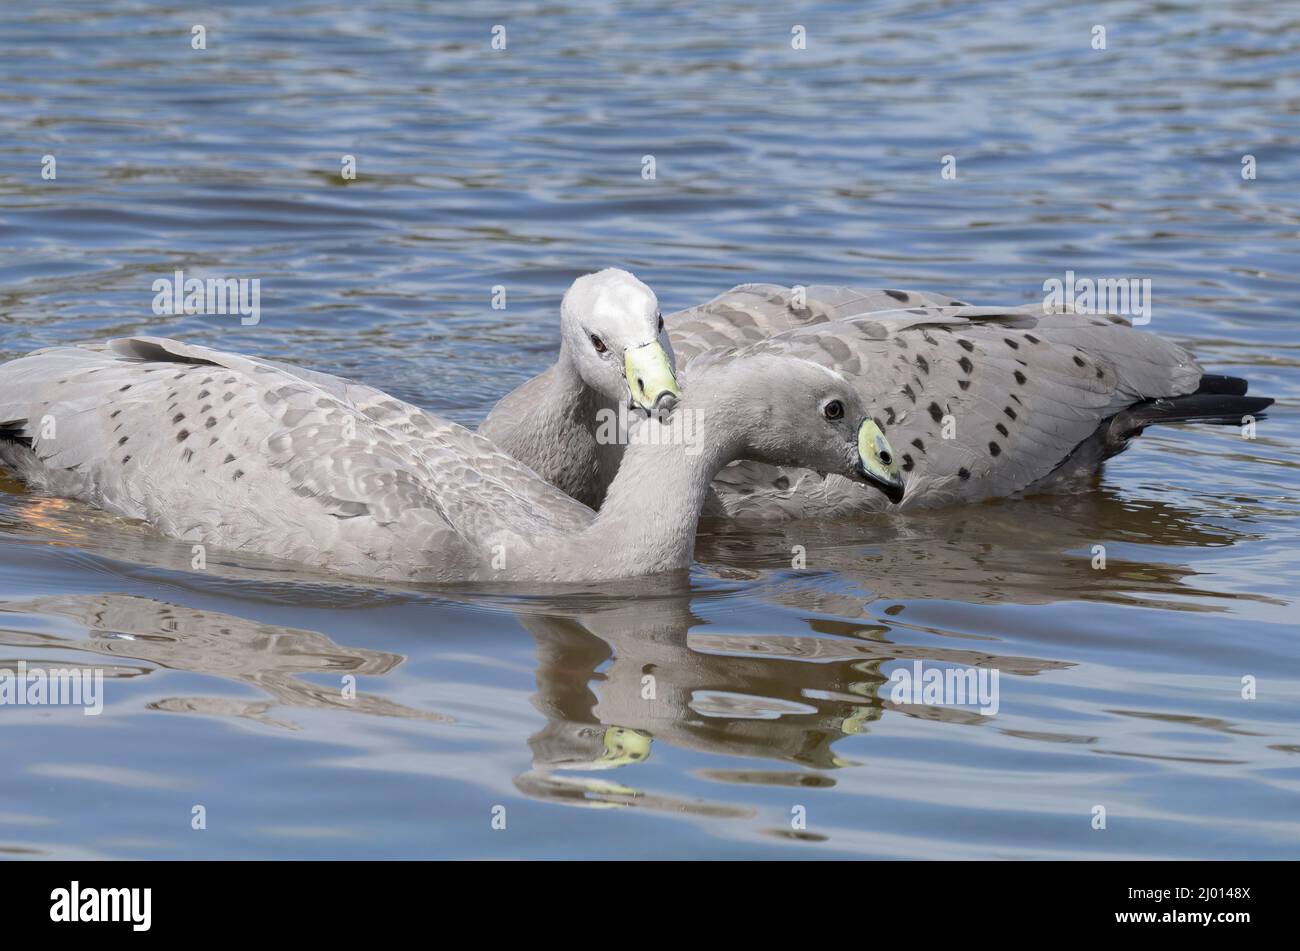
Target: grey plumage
(233, 451)
(249, 454)
(980, 402)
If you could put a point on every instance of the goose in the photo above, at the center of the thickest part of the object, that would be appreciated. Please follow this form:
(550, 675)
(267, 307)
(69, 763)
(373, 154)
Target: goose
(613, 352)
(981, 402)
(228, 450)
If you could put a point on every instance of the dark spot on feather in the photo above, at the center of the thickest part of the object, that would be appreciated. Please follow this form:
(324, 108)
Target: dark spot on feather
(227, 397)
(114, 414)
(125, 460)
(212, 421)
(178, 417)
(966, 345)
(922, 363)
(1078, 362)
(1099, 373)
(183, 435)
(1011, 343)
(1032, 339)
(203, 393)
(899, 295)
(928, 339)
(1020, 378)
(963, 473)
(125, 388)
(238, 474)
(1009, 411)
(1017, 399)
(965, 364)
(936, 413)
(889, 415)
(1003, 430)
(229, 458)
(964, 384)
(955, 303)
(907, 463)
(918, 444)
(910, 395)
(995, 449)
(122, 441)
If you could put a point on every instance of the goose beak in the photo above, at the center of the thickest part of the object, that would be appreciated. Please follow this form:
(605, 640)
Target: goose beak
(878, 463)
(650, 381)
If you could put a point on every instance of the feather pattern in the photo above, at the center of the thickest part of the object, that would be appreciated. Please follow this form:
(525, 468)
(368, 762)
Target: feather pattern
(978, 402)
(325, 471)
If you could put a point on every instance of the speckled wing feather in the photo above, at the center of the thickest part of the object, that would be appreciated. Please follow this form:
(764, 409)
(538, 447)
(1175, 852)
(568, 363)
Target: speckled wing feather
(978, 401)
(749, 313)
(246, 453)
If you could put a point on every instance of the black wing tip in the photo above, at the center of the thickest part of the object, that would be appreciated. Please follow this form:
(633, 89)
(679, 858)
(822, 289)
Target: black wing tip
(1220, 385)
(1224, 408)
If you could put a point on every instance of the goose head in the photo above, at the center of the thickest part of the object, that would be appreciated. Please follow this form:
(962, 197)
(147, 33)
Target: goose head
(612, 331)
(796, 412)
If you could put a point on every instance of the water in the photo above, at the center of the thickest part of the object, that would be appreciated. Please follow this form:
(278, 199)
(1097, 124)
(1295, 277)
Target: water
(1119, 688)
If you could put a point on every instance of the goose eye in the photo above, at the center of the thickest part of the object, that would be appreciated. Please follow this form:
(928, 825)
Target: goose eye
(833, 410)
(885, 457)
(598, 344)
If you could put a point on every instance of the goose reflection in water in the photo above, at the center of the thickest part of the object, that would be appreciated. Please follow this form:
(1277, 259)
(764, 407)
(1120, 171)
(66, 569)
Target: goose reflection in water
(615, 682)
(1040, 550)
(625, 669)
(266, 656)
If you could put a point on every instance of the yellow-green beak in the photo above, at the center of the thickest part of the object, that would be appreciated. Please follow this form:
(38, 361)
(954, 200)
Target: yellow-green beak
(650, 379)
(877, 461)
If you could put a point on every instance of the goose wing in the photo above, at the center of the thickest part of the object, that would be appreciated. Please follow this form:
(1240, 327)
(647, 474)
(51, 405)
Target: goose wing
(749, 313)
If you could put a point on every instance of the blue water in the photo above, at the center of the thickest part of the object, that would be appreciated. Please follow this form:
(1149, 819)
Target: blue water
(772, 733)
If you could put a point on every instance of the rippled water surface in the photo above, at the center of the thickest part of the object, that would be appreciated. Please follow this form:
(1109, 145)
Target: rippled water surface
(1119, 688)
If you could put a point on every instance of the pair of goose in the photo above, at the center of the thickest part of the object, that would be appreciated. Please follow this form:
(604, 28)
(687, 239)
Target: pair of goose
(789, 394)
